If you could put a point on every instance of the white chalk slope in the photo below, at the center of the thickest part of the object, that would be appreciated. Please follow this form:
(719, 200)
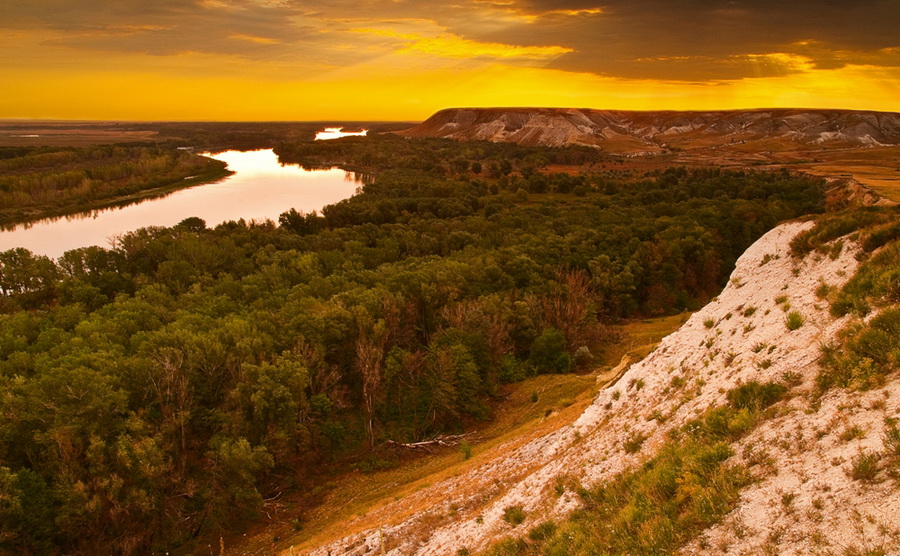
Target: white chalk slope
(805, 502)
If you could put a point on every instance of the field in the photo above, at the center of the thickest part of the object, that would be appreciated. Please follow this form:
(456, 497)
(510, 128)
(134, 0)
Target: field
(205, 135)
(875, 167)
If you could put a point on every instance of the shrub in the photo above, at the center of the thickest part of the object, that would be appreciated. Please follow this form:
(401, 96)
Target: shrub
(583, 357)
(759, 346)
(548, 352)
(768, 258)
(634, 443)
(881, 237)
(794, 320)
(892, 438)
(511, 369)
(513, 515)
(834, 226)
(756, 396)
(508, 547)
(709, 323)
(876, 282)
(791, 378)
(466, 449)
(851, 433)
(865, 466)
(865, 355)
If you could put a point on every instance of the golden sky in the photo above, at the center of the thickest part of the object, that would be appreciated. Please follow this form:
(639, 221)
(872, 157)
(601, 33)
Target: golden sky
(405, 59)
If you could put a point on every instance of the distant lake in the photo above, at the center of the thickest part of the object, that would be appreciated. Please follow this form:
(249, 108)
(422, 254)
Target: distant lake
(261, 188)
(337, 133)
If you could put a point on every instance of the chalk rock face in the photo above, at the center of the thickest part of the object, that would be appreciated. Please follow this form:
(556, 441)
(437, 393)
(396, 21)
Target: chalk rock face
(655, 131)
(740, 336)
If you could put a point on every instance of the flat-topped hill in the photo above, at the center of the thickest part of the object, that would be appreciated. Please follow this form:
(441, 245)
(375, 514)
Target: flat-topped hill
(659, 131)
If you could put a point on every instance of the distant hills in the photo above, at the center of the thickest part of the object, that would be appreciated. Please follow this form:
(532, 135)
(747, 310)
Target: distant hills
(661, 131)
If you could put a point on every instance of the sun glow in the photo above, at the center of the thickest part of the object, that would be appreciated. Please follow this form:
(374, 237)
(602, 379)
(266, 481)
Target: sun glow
(282, 65)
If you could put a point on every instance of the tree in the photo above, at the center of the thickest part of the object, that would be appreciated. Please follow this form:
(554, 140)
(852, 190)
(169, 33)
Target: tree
(370, 344)
(548, 353)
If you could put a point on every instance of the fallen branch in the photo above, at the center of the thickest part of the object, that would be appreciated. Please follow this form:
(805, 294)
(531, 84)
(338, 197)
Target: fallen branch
(427, 445)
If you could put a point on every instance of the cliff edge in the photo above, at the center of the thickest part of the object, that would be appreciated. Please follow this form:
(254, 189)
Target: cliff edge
(804, 499)
(648, 132)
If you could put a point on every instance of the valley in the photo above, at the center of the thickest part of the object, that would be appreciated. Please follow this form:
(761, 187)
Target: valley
(268, 373)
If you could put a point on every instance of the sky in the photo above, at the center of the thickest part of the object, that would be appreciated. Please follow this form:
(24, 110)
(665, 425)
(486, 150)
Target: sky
(405, 59)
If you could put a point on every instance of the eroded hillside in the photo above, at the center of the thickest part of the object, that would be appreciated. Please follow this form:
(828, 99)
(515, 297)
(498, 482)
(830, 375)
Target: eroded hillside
(658, 131)
(864, 146)
(768, 325)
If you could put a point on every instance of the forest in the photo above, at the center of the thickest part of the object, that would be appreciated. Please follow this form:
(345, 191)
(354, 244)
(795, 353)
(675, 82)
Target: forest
(37, 182)
(157, 392)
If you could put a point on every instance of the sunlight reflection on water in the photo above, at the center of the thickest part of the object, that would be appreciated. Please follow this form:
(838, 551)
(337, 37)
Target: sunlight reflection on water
(337, 133)
(261, 188)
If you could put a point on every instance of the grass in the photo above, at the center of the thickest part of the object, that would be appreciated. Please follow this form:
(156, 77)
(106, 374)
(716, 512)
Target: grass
(347, 505)
(867, 351)
(759, 346)
(657, 507)
(852, 433)
(833, 226)
(514, 515)
(794, 320)
(865, 466)
(634, 442)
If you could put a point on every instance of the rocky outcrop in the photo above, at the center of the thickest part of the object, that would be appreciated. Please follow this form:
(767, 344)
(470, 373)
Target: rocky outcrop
(805, 503)
(657, 131)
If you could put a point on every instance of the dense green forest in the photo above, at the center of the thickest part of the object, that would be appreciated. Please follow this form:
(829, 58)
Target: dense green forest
(46, 181)
(159, 391)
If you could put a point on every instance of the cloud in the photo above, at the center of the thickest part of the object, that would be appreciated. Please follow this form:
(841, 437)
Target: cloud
(687, 40)
(707, 39)
(452, 46)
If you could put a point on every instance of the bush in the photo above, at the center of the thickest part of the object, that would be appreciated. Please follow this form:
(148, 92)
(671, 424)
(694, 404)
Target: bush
(794, 320)
(834, 226)
(865, 355)
(466, 449)
(513, 515)
(756, 396)
(512, 370)
(865, 466)
(634, 443)
(548, 352)
(583, 357)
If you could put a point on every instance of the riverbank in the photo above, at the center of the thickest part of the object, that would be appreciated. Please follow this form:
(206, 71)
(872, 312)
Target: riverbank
(10, 218)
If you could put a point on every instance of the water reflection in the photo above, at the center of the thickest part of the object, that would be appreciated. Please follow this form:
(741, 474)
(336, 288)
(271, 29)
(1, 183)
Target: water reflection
(337, 133)
(261, 188)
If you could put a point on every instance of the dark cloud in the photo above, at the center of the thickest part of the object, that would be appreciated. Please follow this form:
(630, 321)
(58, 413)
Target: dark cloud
(654, 39)
(710, 39)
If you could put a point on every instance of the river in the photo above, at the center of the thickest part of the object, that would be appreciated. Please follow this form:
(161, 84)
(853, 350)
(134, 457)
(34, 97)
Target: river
(261, 188)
